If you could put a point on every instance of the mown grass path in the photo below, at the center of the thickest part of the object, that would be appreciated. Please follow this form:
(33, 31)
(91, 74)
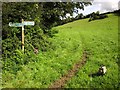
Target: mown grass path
(62, 81)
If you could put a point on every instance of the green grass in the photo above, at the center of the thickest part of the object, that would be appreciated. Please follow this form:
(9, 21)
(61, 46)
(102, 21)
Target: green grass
(99, 38)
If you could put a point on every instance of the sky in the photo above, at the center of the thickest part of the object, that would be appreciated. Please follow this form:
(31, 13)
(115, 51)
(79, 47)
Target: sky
(100, 5)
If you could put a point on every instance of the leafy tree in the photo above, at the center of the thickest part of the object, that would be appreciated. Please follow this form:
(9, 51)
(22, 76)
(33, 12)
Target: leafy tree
(52, 11)
(11, 36)
(79, 16)
(117, 12)
(96, 16)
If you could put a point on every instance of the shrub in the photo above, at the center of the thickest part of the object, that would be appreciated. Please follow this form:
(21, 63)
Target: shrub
(97, 16)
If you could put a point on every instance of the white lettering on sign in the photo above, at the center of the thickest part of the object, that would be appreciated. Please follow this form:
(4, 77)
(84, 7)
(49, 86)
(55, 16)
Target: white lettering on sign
(15, 24)
(29, 23)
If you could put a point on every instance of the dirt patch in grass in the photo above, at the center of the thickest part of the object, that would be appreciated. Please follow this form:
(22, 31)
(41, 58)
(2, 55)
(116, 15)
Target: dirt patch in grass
(61, 82)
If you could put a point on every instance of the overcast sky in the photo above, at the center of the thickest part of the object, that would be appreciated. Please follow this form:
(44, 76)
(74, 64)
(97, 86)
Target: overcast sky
(101, 5)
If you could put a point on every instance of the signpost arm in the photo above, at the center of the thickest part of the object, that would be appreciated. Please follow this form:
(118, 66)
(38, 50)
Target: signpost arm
(22, 36)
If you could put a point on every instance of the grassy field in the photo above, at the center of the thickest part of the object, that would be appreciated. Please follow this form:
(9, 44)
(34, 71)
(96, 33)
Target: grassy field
(99, 38)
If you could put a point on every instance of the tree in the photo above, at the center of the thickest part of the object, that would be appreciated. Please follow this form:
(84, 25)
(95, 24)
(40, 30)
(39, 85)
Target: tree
(11, 37)
(79, 16)
(52, 11)
(96, 16)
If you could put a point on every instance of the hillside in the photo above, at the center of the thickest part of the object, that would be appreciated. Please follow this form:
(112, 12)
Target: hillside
(98, 38)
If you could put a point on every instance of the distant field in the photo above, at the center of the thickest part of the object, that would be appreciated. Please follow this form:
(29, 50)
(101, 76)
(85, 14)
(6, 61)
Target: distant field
(99, 38)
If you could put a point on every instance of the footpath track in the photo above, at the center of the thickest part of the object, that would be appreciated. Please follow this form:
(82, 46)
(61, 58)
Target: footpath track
(62, 81)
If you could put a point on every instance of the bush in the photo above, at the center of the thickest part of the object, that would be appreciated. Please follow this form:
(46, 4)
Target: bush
(97, 16)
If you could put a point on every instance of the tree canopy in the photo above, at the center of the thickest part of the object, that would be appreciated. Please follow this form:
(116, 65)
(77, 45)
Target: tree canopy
(47, 12)
(52, 11)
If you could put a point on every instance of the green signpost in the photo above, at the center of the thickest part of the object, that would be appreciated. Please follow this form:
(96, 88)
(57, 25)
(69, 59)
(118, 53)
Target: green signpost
(32, 23)
(28, 23)
(15, 24)
(22, 24)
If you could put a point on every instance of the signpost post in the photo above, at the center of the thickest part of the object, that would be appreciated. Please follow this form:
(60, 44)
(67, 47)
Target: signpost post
(22, 25)
(22, 36)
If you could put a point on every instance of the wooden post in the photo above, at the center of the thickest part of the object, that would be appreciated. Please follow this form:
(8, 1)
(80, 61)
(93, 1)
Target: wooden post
(22, 36)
